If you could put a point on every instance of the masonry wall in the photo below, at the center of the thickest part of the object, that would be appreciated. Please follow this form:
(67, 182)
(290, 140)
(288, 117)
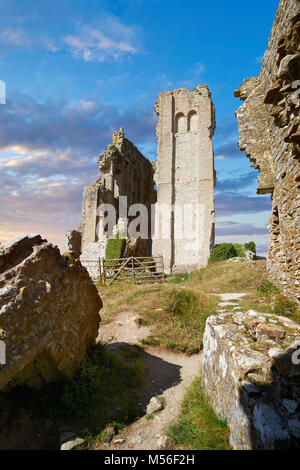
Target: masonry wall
(124, 171)
(185, 175)
(269, 129)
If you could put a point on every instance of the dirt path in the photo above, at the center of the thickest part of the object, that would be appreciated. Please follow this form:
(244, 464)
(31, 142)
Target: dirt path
(167, 374)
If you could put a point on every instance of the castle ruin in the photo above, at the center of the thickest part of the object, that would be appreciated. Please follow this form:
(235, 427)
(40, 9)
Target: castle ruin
(180, 214)
(126, 173)
(185, 179)
(269, 127)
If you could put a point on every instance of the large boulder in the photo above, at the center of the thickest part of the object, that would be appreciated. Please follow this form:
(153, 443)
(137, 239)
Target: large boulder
(251, 373)
(49, 312)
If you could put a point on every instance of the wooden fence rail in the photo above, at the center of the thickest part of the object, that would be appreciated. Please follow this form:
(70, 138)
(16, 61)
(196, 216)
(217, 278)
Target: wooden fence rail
(137, 269)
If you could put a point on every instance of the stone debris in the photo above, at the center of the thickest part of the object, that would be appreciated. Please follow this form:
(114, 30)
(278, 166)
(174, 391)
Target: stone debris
(269, 129)
(49, 312)
(119, 441)
(72, 444)
(252, 380)
(162, 442)
(185, 174)
(154, 406)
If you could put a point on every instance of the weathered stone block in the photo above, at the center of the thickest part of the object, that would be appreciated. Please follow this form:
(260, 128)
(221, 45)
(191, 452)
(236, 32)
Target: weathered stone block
(252, 379)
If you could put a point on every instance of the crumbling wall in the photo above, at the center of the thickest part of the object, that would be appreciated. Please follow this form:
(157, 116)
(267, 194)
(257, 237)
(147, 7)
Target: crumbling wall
(251, 371)
(269, 127)
(185, 176)
(125, 172)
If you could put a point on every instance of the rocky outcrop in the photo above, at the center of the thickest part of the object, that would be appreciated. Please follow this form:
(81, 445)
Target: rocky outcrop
(251, 373)
(269, 128)
(49, 312)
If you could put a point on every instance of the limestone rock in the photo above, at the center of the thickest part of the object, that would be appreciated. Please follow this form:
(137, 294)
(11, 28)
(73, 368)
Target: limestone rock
(69, 441)
(49, 312)
(154, 406)
(250, 382)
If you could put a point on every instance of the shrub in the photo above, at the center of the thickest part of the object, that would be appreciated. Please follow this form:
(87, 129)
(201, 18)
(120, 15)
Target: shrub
(267, 288)
(239, 249)
(115, 247)
(230, 250)
(286, 308)
(222, 252)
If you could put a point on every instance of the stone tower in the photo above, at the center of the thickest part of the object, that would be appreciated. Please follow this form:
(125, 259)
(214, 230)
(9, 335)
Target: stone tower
(185, 178)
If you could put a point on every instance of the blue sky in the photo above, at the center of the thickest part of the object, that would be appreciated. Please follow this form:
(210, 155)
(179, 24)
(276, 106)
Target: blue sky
(75, 71)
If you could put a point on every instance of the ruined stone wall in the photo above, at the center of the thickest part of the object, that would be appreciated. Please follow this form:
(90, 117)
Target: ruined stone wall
(185, 175)
(124, 172)
(255, 389)
(269, 128)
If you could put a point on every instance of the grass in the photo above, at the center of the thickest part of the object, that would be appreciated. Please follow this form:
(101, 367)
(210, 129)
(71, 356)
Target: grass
(267, 299)
(176, 311)
(104, 390)
(180, 326)
(198, 427)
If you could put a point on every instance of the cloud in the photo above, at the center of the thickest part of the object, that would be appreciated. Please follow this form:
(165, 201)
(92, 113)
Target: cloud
(49, 152)
(104, 39)
(193, 75)
(228, 151)
(15, 36)
(230, 203)
(97, 45)
(197, 69)
(81, 126)
(239, 183)
(162, 82)
(227, 128)
(233, 229)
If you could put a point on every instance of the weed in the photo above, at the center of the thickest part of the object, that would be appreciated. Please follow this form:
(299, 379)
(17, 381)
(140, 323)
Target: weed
(150, 416)
(150, 341)
(198, 427)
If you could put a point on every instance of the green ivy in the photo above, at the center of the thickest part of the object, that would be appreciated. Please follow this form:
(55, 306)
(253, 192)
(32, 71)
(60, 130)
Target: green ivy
(115, 247)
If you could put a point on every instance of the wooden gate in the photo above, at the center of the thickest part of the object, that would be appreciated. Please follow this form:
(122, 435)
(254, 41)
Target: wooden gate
(136, 269)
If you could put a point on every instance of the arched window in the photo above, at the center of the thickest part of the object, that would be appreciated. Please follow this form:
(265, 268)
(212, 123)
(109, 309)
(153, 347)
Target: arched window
(180, 124)
(192, 121)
